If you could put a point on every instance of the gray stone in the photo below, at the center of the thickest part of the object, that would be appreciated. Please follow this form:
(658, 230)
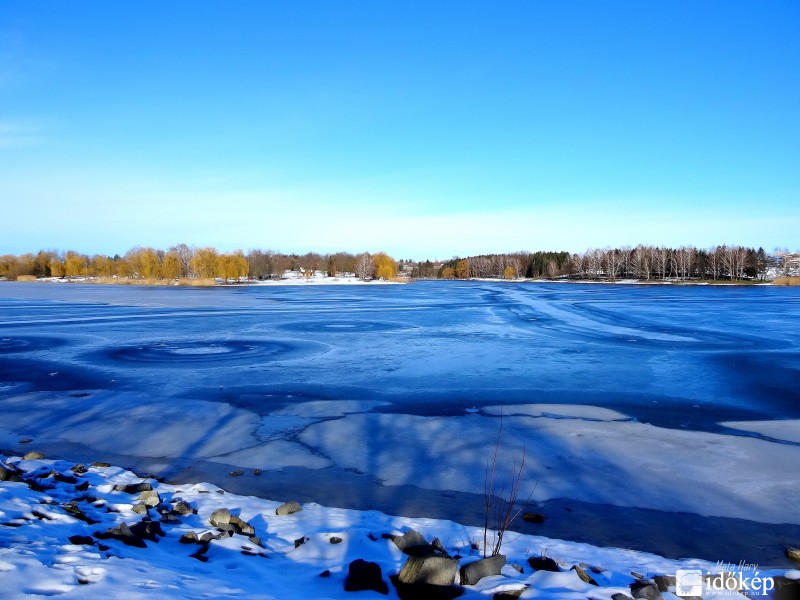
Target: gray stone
(793, 553)
(133, 488)
(140, 508)
(190, 537)
(509, 594)
(98, 463)
(785, 588)
(473, 572)
(583, 575)
(150, 498)
(182, 508)
(363, 575)
(242, 527)
(124, 534)
(543, 563)
(221, 516)
(335, 539)
(664, 582)
(288, 508)
(33, 456)
(431, 570)
(8, 473)
(208, 537)
(645, 590)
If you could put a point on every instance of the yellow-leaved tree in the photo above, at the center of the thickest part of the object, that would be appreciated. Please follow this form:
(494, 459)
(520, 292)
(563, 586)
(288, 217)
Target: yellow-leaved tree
(385, 266)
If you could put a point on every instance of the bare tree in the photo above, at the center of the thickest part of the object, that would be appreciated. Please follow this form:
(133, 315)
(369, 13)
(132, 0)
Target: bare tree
(365, 267)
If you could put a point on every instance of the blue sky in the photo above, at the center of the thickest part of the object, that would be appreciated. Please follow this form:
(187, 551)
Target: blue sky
(425, 129)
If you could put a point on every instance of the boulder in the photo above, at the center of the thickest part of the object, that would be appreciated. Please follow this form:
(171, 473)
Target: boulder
(33, 456)
(133, 488)
(411, 542)
(81, 540)
(335, 539)
(122, 533)
(363, 575)
(645, 590)
(663, 582)
(430, 570)
(785, 588)
(221, 516)
(543, 563)
(101, 464)
(288, 508)
(150, 498)
(182, 508)
(147, 530)
(140, 508)
(190, 537)
(473, 572)
(793, 553)
(9, 473)
(583, 575)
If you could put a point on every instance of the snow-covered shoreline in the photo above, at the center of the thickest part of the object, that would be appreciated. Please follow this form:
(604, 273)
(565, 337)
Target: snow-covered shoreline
(61, 534)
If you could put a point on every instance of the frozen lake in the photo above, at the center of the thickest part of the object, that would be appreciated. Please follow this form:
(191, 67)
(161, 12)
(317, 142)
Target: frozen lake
(663, 418)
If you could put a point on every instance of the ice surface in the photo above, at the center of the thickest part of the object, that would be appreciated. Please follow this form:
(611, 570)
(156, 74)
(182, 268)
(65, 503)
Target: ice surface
(640, 396)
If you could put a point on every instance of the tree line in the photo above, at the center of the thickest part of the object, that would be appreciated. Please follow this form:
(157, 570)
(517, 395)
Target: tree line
(189, 262)
(644, 263)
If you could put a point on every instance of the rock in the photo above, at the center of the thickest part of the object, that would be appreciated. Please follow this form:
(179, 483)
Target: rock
(122, 533)
(190, 537)
(288, 508)
(133, 488)
(74, 510)
(33, 456)
(509, 594)
(82, 487)
(431, 570)
(663, 582)
(150, 498)
(363, 575)
(242, 527)
(97, 463)
(584, 576)
(9, 473)
(543, 563)
(533, 517)
(300, 541)
(147, 530)
(645, 590)
(517, 568)
(236, 473)
(473, 572)
(256, 472)
(81, 540)
(325, 573)
(140, 508)
(182, 508)
(335, 539)
(26, 440)
(221, 516)
(785, 588)
(79, 469)
(200, 554)
(208, 537)
(620, 597)
(793, 553)
(60, 477)
(256, 540)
